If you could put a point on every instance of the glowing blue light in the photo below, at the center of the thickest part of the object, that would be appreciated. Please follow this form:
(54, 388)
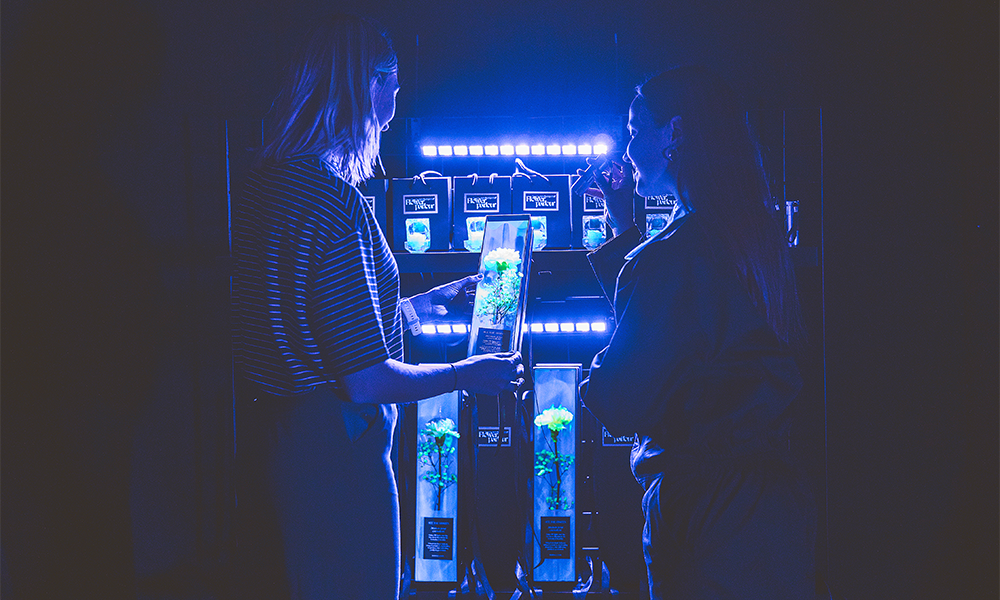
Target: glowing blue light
(428, 329)
(600, 144)
(596, 326)
(460, 328)
(444, 328)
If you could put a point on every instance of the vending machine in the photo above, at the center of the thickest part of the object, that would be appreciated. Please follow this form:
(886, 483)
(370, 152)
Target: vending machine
(515, 493)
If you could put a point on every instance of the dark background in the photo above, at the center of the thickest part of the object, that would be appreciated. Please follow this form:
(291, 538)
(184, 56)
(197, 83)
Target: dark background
(150, 92)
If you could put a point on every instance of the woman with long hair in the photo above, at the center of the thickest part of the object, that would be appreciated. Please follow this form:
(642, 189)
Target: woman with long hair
(700, 365)
(319, 332)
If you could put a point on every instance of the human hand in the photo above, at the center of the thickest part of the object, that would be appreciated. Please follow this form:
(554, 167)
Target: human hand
(490, 373)
(616, 185)
(455, 298)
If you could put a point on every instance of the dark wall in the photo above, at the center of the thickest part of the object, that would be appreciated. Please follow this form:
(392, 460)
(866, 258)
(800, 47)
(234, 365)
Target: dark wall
(911, 302)
(910, 166)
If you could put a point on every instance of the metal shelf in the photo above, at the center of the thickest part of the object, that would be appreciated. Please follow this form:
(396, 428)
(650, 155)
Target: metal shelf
(542, 260)
(468, 262)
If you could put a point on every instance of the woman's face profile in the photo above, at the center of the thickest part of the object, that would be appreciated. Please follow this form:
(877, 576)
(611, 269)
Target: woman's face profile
(385, 86)
(645, 151)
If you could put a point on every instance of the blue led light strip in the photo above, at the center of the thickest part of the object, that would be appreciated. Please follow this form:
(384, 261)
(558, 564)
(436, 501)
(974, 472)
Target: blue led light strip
(546, 327)
(521, 149)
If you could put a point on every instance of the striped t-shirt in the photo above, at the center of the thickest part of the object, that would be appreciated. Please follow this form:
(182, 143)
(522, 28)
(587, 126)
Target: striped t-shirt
(315, 286)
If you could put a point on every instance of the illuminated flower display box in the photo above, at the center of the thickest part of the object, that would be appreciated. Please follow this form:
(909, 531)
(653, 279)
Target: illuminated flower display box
(498, 312)
(551, 466)
(588, 220)
(421, 214)
(476, 198)
(436, 522)
(546, 199)
(556, 399)
(435, 453)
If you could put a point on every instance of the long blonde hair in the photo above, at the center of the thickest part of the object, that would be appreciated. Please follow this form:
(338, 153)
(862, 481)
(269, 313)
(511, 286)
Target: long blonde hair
(325, 104)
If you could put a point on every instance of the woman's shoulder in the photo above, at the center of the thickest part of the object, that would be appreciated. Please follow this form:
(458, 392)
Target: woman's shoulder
(306, 184)
(687, 240)
(689, 253)
(305, 170)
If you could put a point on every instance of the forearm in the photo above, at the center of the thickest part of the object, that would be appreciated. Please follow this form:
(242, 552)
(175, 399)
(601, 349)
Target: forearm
(607, 260)
(421, 305)
(394, 382)
(619, 222)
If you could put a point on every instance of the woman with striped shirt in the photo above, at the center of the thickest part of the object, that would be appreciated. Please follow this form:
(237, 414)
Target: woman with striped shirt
(318, 334)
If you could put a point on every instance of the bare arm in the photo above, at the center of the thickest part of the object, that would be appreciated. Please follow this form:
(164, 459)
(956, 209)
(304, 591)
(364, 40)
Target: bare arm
(394, 382)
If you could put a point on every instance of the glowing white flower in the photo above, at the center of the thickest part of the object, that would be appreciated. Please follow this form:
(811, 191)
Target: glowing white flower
(556, 418)
(501, 259)
(441, 427)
